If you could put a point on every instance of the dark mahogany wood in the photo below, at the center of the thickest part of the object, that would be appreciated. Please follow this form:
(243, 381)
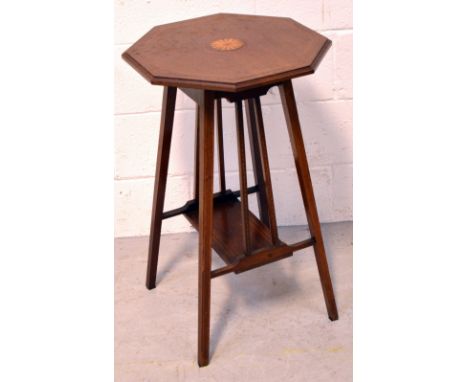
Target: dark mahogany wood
(237, 58)
(228, 229)
(205, 224)
(196, 152)
(305, 182)
(181, 54)
(197, 94)
(193, 203)
(265, 168)
(243, 178)
(263, 257)
(256, 161)
(219, 130)
(162, 163)
(245, 94)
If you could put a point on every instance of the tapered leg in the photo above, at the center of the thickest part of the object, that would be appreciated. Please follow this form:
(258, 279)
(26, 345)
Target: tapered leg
(162, 162)
(265, 168)
(243, 177)
(257, 161)
(219, 130)
(297, 143)
(205, 216)
(196, 152)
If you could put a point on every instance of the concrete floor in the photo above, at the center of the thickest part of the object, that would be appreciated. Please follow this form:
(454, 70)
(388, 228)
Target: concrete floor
(267, 324)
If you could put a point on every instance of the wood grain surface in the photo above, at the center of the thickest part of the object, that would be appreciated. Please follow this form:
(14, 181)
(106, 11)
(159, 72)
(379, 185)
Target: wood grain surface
(248, 51)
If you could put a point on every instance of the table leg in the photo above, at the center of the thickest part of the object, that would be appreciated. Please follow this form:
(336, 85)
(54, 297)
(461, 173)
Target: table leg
(243, 177)
(162, 162)
(257, 161)
(305, 182)
(196, 152)
(219, 130)
(265, 167)
(206, 154)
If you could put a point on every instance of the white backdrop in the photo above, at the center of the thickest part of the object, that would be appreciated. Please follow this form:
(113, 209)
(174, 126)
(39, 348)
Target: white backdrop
(324, 103)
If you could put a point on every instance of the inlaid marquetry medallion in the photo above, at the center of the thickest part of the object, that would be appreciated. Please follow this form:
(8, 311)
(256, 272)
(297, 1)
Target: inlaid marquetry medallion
(227, 44)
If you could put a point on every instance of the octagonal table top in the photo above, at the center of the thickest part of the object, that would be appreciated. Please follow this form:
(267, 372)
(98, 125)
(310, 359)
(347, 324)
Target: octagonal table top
(227, 52)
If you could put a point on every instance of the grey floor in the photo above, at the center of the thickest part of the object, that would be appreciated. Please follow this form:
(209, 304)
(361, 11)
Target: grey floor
(267, 324)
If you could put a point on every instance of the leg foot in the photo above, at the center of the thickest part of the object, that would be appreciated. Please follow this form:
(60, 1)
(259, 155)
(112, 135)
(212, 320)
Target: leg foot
(305, 182)
(206, 153)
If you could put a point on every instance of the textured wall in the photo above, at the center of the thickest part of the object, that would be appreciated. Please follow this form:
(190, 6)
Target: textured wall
(324, 103)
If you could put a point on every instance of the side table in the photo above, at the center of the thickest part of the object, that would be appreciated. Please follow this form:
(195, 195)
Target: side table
(238, 58)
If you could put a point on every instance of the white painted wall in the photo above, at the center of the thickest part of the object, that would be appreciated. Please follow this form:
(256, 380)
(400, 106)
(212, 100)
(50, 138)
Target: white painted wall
(324, 103)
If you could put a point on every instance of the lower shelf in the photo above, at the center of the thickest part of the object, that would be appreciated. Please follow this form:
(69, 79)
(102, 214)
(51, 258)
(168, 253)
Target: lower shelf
(227, 231)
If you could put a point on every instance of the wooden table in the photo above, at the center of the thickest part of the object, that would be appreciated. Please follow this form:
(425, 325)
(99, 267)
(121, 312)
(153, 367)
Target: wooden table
(238, 58)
